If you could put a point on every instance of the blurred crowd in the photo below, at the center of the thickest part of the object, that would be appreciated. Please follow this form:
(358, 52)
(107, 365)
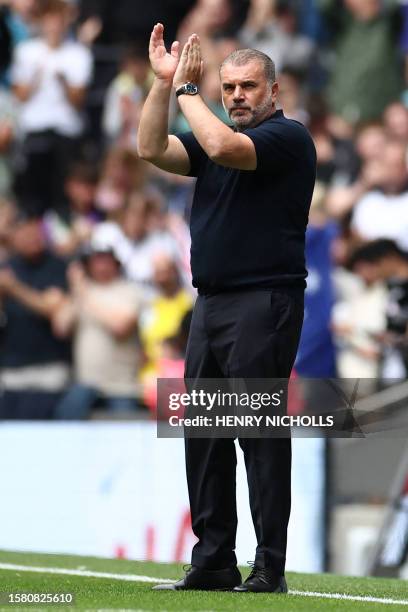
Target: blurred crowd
(95, 284)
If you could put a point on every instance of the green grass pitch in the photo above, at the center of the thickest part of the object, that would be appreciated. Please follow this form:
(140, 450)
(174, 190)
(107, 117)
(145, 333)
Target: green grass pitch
(104, 593)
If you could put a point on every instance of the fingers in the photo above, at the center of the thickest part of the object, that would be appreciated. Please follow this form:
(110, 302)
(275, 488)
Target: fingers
(194, 54)
(156, 37)
(186, 49)
(190, 65)
(175, 49)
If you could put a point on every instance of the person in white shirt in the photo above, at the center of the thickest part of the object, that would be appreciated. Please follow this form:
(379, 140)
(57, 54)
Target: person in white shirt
(136, 242)
(50, 75)
(383, 212)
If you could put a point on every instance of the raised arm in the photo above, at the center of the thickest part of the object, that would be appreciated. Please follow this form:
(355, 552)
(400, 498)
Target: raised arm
(153, 142)
(222, 145)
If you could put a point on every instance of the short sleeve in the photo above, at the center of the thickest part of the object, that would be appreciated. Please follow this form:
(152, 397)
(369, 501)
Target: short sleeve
(195, 152)
(363, 219)
(78, 70)
(22, 67)
(277, 146)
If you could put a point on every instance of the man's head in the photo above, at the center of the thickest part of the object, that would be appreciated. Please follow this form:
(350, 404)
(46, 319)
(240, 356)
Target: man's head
(137, 215)
(248, 86)
(103, 268)
(396, 121)
(81, 186)
(370, 141)
(394, 167)
(379, 260)
(101, 262)
(363, 10)
(166, 275)
(28, 236)
(55, 18)
(135, 62)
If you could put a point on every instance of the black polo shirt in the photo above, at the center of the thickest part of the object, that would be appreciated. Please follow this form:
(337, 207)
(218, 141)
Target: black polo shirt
(248, 226)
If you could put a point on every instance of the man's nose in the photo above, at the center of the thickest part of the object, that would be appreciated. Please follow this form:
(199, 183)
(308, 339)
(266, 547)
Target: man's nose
(238, 93)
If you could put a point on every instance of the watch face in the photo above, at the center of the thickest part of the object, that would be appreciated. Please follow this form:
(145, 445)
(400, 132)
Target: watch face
(191, 88)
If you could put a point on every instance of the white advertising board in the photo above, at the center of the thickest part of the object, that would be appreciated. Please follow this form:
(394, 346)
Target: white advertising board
(115, 490)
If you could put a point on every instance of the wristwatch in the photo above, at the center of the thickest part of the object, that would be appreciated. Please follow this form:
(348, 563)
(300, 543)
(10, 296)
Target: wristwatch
(188, 88)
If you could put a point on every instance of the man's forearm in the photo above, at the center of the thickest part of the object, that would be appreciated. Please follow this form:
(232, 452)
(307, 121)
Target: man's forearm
(75, 95)
(117, 320)
(152, 136)
(32, 299)
(24, 92)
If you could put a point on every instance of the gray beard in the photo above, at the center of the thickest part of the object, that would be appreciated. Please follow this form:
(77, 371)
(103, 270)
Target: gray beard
(257, 115)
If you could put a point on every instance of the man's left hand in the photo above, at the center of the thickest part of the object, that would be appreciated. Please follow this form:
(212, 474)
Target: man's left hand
(190, 67)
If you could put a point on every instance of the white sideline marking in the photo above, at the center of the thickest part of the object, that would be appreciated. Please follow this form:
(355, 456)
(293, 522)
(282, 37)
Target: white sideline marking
(385, 600)
(77, 572)
(135, 578)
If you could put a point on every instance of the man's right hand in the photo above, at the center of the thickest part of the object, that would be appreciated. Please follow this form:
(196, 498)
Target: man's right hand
(163, 64)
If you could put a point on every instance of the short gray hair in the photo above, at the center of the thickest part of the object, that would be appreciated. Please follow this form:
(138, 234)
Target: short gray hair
(240, 57)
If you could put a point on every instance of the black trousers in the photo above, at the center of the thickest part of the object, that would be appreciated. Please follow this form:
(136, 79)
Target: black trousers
(40, 180)
(251, 334)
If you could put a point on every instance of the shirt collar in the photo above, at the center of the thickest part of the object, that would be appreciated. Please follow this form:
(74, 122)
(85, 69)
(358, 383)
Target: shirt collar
(276, 115)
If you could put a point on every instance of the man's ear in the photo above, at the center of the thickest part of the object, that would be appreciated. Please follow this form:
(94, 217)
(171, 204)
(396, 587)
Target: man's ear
(275, 90)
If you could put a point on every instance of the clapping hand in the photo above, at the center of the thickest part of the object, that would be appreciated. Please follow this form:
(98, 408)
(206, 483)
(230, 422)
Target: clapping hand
(190, 67)
(77, 280)
(163, 64)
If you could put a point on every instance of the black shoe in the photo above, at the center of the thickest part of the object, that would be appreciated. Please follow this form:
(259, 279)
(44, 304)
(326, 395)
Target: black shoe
(262, 580)
(197, 578)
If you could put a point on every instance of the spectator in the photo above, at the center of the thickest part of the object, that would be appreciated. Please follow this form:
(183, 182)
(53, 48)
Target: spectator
(209, 18)
(123, 172)
(271, 27)
(102, 314)
(383, 212)
(35, 364)
(336, 159)
(8, 128)
(163, 318)
(68, 233)
(124, 96)
(366, 45)
(125, 21)
(369, 143)
(290, 95)
(358, 321)
(22, 19)
(17, 24)
(169, 365)
(50, 75)
(383, 261)
(135, 241)
(396, 122)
